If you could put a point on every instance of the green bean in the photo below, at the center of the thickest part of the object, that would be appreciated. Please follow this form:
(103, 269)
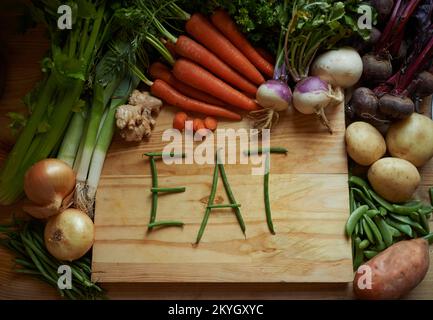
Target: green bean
(376, 233)
(395, 232)
(354, 218)
(280, 150)
(229, 193)
(372, 213)
(431, 195)
(164, 154)
(382, 202)
(407, 208)
(404, 228)
(384, 230)
(168, 190)
(359, 254)
(406, 220)
(222, 206)
(368, 231)
(356, 231)
(424, 222)
(266, 194)
(210, 201)
(364, 198)
(364, 244)
(429, 238)
(352, 203)
(154, 194)
(166, 224)
(39, 265)
(414, 216)
(361, 228)
(382, 211)
(24, 263)
(370, 254)
(425, 210)
(356, 181)
(27, 271)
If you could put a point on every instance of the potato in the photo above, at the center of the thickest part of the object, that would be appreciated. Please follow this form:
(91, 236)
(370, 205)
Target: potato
(394, 179)
(364, 143)
(394, 272)
(411, 139)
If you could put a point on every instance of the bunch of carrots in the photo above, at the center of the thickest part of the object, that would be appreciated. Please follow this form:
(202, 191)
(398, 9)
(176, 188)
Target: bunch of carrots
(215, 71)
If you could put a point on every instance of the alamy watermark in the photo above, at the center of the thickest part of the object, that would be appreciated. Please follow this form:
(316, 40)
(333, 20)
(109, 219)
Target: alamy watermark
(232, 146)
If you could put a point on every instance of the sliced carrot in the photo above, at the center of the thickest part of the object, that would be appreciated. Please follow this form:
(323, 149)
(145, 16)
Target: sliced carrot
(192, 50)
(198, 124)
(159, 71)
(173, 97)
(227, 26)
(179, 120)
(201, 79)
(210, 123)
(202, 30)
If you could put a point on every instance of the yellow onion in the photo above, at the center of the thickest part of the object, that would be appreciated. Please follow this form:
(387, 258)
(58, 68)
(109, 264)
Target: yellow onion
(50, 185)
(69, 235)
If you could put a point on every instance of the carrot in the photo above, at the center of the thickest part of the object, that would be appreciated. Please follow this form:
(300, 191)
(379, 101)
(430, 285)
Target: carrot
(210, 123)
(198, 124)
(179, 120)
(266, 55)
(170, 47)
(173, 97)
(159, 71)
(227, 26)
(202, 30)
(189, 48)
(201, 79)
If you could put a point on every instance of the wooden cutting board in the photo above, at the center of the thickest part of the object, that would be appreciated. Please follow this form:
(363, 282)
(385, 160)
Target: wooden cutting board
(309, 200)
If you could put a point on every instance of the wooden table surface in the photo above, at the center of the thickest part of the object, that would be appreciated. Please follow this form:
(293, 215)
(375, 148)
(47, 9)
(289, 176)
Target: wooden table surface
(23, 55)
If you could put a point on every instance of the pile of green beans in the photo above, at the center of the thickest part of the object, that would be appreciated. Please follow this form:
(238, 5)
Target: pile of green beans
(375, 224)
(25, 241)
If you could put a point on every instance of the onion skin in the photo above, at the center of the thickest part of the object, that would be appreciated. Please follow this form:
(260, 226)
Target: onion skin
(69, 235)
(48, 184)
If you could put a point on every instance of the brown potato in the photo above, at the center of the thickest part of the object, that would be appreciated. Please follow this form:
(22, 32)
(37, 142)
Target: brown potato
(364, 143)
(394, 272)
(411, 139)
(394, 179)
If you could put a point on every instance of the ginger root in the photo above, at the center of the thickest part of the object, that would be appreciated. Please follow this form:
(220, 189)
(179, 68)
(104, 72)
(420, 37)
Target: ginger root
(137, 119)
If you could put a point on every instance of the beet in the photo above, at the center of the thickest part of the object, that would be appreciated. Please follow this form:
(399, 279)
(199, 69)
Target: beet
(364, 103)
(396, 107)
(383, 7)
(424, 87)
(376, 69)
(374, 36)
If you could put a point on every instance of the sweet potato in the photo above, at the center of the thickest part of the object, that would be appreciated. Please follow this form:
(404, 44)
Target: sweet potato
(394, 272)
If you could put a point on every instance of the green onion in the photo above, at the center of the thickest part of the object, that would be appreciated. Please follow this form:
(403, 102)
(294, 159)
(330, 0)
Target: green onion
(71, 141)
